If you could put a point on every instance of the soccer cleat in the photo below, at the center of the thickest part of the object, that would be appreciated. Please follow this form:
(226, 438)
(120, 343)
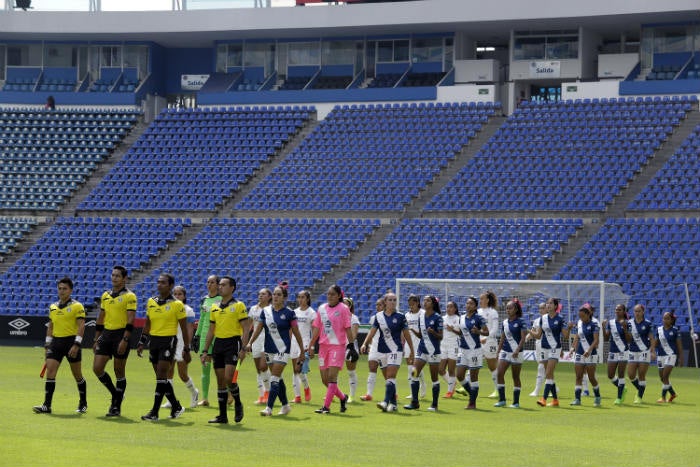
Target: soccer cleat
(412, 406)
(297, 400)
(113, 411)
(285, 409)
(203, 403)
(391, 408)
(167, 405)
(193, 399)
(661, 401)
(596, 401)
(534, 393)
(261, 401)
(82, 407)
(575, 402)
(307, 394)
(351, 400)
(409, 397)
(493, 395)
(514, 406)
(461, 390)
(448, 395)
(432, 408)
(497, 404)
(366, 397)
(175, 412)
(618, 402)
(637, 400)
(673, 396)
(265, 396)
(150, 417)
(323, 410)
(238, 410)
(624, 393)
(554, 403)
(41, 409)
(219, 419)
(382, 405)
(266, 412)
(343, 403)
(542, 402)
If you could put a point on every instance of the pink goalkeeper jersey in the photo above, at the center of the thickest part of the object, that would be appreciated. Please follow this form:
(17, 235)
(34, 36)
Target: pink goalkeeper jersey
(332, 323)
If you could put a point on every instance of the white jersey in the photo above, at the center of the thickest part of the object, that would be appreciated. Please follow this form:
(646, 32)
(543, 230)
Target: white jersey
(355, 321)
(304, 320)
(375, 342)
(492, 321)
(413, 322)
(449, 338)
(259, 344)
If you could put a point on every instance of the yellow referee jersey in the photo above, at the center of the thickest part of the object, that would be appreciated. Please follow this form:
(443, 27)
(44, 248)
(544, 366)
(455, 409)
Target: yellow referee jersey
(64, 317)
(228, 318)
(117, 308)
(164, 316)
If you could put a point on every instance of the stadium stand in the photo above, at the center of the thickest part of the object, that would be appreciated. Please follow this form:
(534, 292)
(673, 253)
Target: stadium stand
(676, 186)
(13, 230)
(262, 252)
(202, 156)
(84, 249)
(47, 155)
(646, 257)
(538, 159)
(456, 248)
(369, 157)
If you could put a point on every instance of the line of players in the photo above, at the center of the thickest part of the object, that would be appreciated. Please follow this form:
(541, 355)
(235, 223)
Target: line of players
(452, 346)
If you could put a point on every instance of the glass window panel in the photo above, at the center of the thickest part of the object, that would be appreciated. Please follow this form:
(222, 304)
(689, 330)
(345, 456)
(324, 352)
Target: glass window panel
(221, 50)
(562, 47)
(235, 55)
(337, 53)
(24, 55)
(401, 51)
(529, 48)
(303, 53)
(385, 51)
(58, 55)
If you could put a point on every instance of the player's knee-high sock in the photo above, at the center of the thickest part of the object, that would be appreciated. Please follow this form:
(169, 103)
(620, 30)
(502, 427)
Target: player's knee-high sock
(352, 382)
(548, 386)
(206, 373)
(474, 393)
(641, 389)
(304, 380)
(190, 386)
(274, 390)
(371, 382)
(446, 377)
(585, 382)
(267, 380)
(49, 388)
(261, 387)
(465, 384)
(670, 389)
(283, 392)
(161, 389)
(107, 381)
(436, 393)
(82, 391)
(554, 390)
(330, 392)
(540, 377)
(235, 392)
(494, 378)
(596, 391)
(170, 394)
(296, 385)
(635, 383)
(421, 378)
(390, 393)
(222, 400)
(577, 392)
(502, 392)
(411, 369)
(516, 395)
(415, 387)
(620, 387)
(614, 380)
(120, 389)
(451, 383)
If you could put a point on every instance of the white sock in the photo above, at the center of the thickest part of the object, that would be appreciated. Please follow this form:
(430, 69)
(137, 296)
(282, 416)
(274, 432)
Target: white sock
(410, 368)
(494, 377)
(451, 383)
(266, 376)
(371, 381)
(352, 380)
(304, 380)
(421, 378)
(585, 382)
(446, 377)
(540, 378)
(261, 388)
(296, 385)
(190, 385)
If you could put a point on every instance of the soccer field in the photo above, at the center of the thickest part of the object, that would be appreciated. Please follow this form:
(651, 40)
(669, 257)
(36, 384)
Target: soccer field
(647, 435)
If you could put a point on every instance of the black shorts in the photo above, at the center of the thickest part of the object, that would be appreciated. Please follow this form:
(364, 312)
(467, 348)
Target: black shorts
(162, 348)
(226, 351)
(108, 343)
(59, 348)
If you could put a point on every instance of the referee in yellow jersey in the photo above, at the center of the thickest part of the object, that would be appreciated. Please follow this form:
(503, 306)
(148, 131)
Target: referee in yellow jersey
(113, 329)
(63, 339)
(228, 322)
(164, 313)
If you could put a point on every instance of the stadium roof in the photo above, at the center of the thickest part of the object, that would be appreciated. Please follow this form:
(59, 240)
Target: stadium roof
(482, 21)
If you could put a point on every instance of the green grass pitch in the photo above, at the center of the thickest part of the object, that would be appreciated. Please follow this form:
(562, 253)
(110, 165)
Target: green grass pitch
(647, 435)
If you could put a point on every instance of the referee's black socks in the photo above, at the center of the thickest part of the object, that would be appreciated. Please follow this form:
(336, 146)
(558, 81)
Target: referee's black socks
(107, 381)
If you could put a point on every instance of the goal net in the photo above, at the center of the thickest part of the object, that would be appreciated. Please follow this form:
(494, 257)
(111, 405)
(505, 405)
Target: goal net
(571, 294)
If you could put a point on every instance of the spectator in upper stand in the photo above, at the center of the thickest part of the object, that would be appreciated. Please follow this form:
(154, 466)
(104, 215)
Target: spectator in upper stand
(50, 103)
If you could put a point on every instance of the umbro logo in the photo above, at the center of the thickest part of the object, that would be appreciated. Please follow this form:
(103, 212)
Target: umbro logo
(18, 327)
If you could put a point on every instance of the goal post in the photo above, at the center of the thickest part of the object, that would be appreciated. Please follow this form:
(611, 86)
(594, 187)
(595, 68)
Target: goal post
(603, 296)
